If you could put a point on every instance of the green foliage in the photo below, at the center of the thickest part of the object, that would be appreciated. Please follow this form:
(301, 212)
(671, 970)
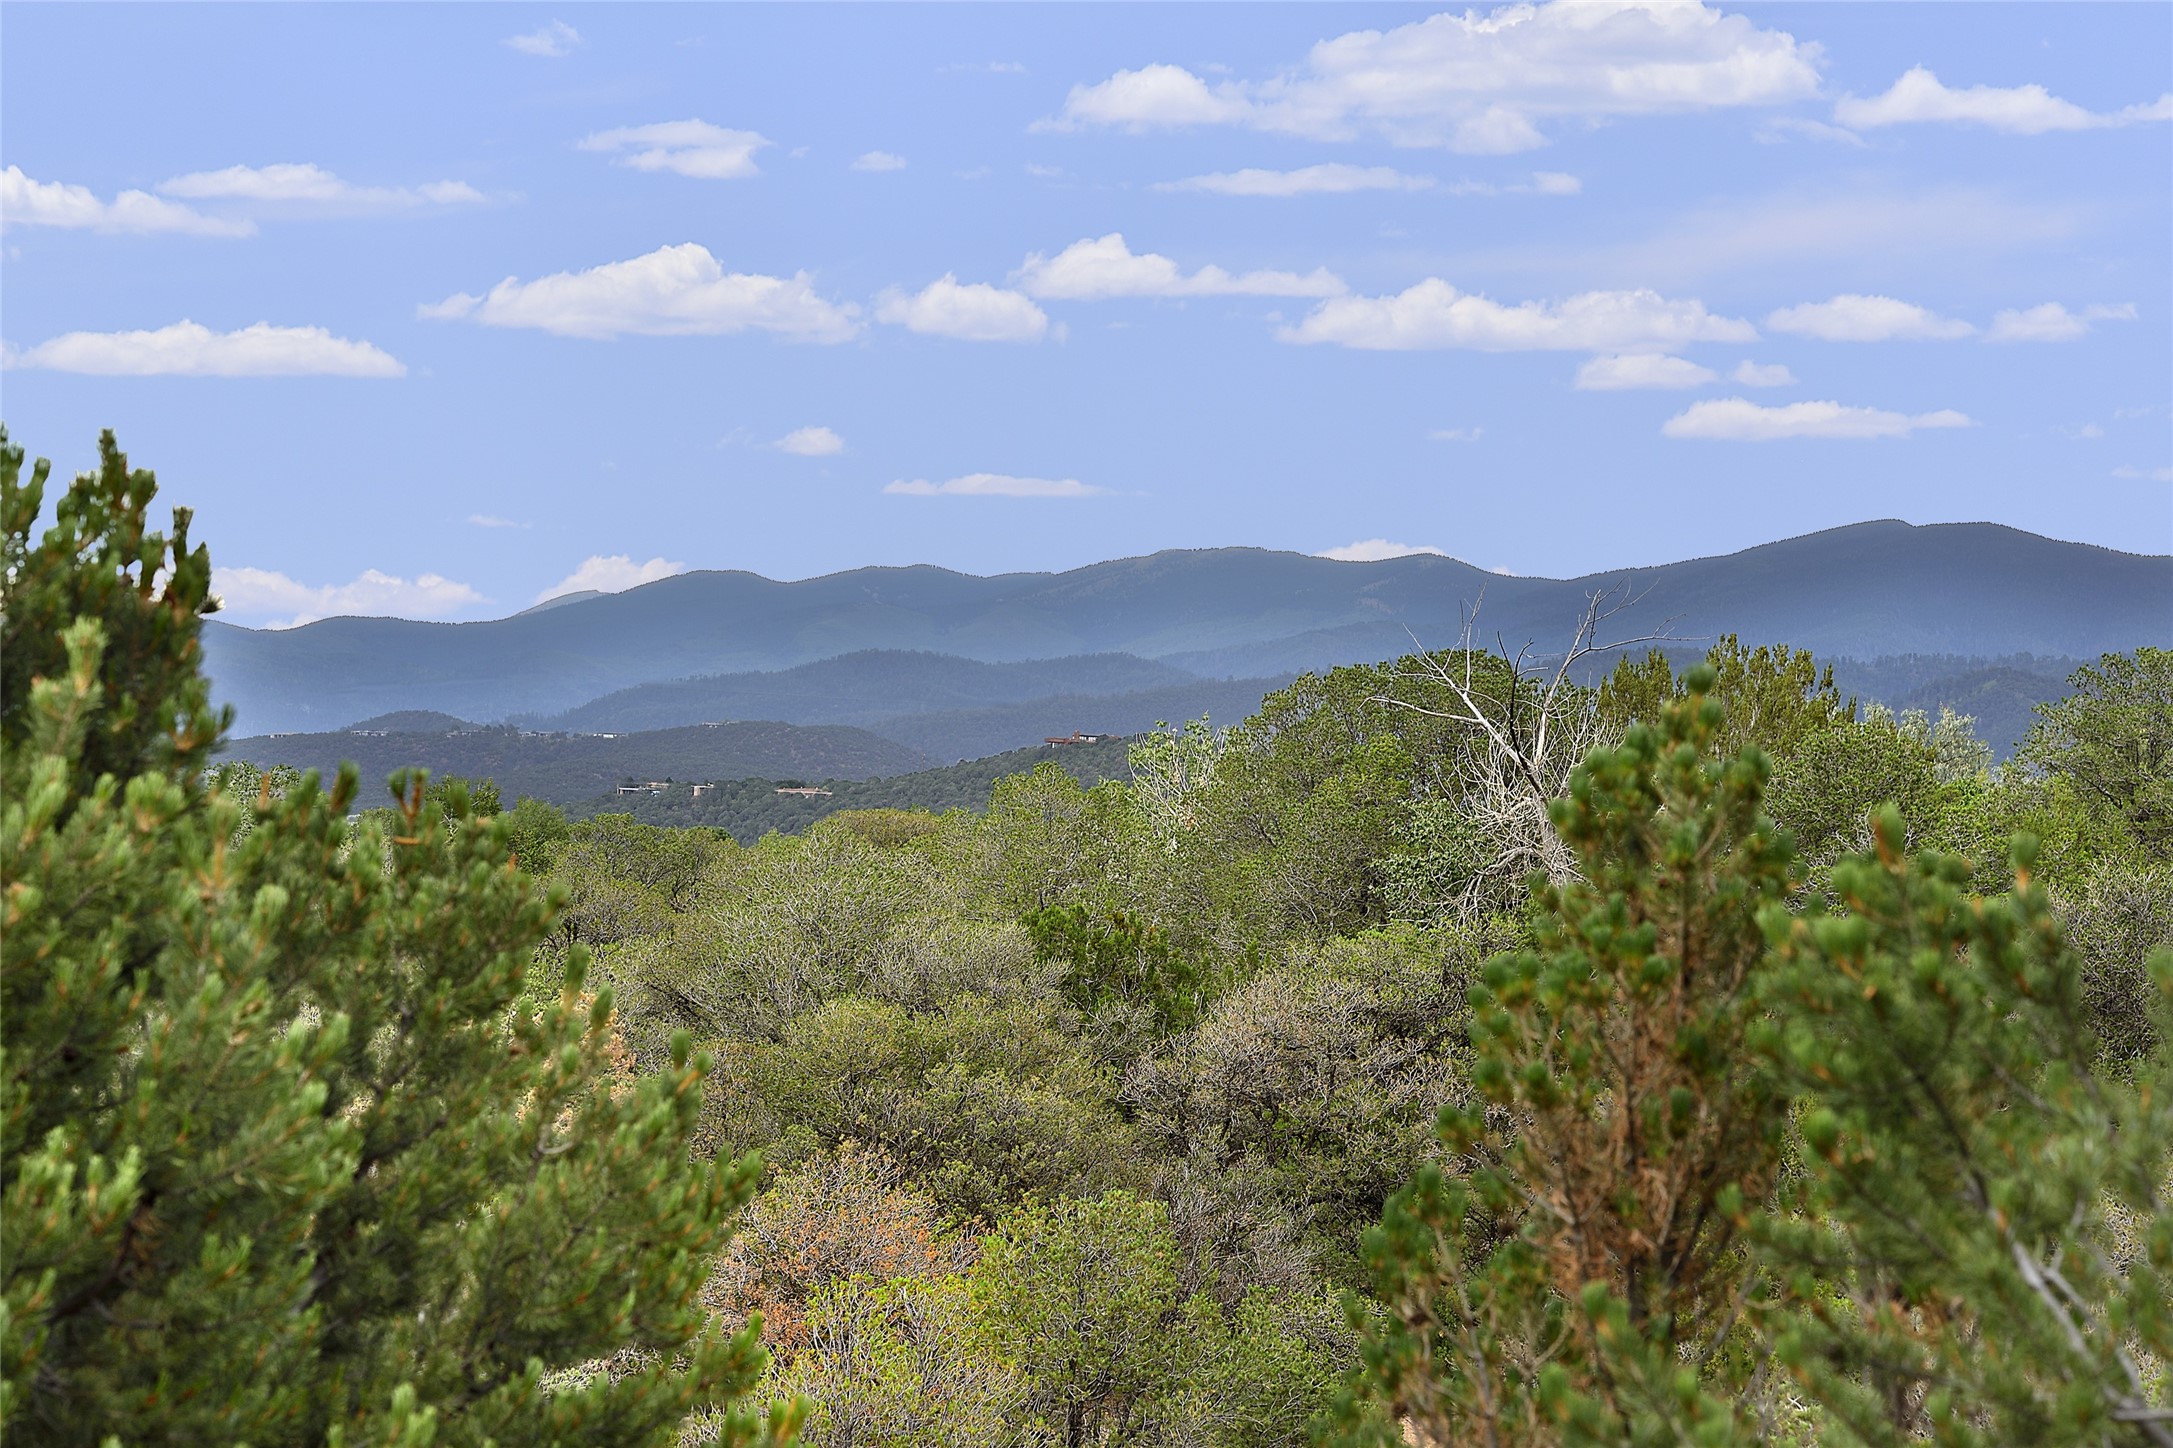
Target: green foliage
(1116, 959)
(282, 1157)
(2112, 741)
(1775, 697)
(1979, 1249)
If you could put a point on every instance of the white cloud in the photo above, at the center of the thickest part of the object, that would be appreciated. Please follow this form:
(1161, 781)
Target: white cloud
(24, 202)
(1045, 173)
(1555, 183)
(554, 40)
(1478, 82)
(612, 573)
(810, 442)
(189, 349)
(1779, 128)
(273, 600)
(687, 148)
(1331, 179)
(1763, 374)
(2155, 475)
(1456, 434)
(1434, 314)
(1099, 269)
(993, 485)
(490, 520)
(1375, 550)
(311, 184)
(674, 291)
(2026, 110)
(878, 161)
(967, 311)
(1852, 317)
(1641, 370)
(2051, 322)
(1736, 419)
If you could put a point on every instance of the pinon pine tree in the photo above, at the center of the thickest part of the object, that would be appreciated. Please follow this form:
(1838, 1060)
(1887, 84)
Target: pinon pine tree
(1576, 1281)
(1979, 1249)
(285, 1157)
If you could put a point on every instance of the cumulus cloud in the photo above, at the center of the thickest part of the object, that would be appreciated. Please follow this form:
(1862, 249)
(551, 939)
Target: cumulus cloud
(308, 184)
(674, 291)
(1737, 419)
(189, 349)
(2051, 322)
(1478, 82)
(1852, 317)
(1641, 370)
(878, 161)
(273, 600)
(1434, 314)
(1099, 269)
(1375, 550)
(1331, 179)
(966, 311)
(810, 442)
(24, 202)
(687, 148)
(611, 573)
(993, 485)
(2025, 110)
(552, 40)
(1763, 374)
(2155, 475)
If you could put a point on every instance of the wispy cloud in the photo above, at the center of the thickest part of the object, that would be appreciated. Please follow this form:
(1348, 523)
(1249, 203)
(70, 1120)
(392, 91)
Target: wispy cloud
(271, 599)
(488, 520)
(25, 202)
(553, 40)
(672, 291)
(611, 573)
(1855, 318)
(1763, 374)
(965, 312)
(993, 485)
(1376, 550)
(810, 442)
(1641, 370)
(2051, 322)
(311, 185)
(878, 161)
(1736, 419)
(188, 349)
(686, 148)
(2155, 475)
(1434, 314)
(1456, 434)
(1330, 179)
(2025, 110)
(1103, 268)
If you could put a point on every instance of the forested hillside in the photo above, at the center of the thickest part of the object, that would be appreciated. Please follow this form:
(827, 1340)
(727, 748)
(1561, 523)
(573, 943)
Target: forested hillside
(747, 809)
(565, 768)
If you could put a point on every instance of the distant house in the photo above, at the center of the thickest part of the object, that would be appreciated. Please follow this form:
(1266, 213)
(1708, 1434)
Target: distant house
(1076, 737)
(364, 733)
(647, 786)
(701, 789)
(805, 791)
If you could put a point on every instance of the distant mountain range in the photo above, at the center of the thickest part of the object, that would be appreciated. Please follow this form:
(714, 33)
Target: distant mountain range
(951, 665)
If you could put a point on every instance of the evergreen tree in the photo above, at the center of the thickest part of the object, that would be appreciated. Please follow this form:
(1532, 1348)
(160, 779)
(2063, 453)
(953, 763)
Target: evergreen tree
(1577, 1278)
(1979, 1247)
(285, 1157)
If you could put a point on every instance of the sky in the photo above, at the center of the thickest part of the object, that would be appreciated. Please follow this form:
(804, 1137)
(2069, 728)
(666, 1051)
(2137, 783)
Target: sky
(437, 311)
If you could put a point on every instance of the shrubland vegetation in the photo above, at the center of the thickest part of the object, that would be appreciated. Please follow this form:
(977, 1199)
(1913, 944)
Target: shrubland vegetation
(1443, 1055)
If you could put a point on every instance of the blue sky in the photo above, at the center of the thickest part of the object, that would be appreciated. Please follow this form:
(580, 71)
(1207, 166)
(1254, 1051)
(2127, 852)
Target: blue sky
(484, 302)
